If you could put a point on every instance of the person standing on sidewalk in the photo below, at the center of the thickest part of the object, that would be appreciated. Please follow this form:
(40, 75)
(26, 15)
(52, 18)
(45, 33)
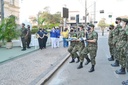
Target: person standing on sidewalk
(110, 38)
(65, 36)
(40, 38)
(91, 49)
(58, 37)
(23, 36)
(45, 37)
(53, 35)
(29, 37)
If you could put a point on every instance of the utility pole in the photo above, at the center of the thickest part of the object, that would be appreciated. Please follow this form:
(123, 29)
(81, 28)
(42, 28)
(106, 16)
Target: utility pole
(94, 12)
(85, 13)
(2, 9)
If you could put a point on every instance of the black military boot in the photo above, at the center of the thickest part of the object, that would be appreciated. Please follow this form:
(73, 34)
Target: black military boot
(72, 61)
(88, 61)
(80, 66)
(121, 71)
(78, 60)
(111, 58)
(92, 69)
(116, 64)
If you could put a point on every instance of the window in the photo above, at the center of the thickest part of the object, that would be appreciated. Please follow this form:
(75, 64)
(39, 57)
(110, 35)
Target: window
(72, 18)
(12, 2)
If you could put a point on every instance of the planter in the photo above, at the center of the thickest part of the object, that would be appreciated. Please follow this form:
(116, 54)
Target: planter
(9, 45)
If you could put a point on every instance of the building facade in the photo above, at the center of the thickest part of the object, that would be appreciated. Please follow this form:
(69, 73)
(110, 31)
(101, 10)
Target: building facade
(11, 7)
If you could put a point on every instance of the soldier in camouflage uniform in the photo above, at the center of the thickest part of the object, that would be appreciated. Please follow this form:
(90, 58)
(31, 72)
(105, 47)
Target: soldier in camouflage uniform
(80, 37)
(24, 35)
(121, 47)
(111, 27)
(79, 45)
(90, 49)
(115, 42)
(72, 45)
(126, 53)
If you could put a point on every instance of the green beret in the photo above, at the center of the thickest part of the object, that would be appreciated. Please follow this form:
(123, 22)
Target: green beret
(91, 25)
(125, 20)
(118, 18)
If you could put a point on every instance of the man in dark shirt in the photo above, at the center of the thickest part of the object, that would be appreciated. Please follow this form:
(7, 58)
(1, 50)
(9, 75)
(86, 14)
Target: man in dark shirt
(29, 36)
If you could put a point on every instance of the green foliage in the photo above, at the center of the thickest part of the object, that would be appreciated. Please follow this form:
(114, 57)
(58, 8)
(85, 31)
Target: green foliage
(102, 24)
(8, 29)
(34, 30)
(34, 26)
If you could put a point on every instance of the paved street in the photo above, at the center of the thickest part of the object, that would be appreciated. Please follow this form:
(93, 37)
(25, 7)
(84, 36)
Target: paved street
(31, 68)
(104, 74)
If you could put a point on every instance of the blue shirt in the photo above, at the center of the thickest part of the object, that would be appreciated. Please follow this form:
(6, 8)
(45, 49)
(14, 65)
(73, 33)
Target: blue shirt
(53, 33)
(40, 33)
(58, 33)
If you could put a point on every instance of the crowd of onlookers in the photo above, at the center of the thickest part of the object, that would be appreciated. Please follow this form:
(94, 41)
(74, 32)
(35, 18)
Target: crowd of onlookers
(42, 36)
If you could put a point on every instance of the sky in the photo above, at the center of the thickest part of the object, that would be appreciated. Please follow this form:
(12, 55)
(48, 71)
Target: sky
(114, 7)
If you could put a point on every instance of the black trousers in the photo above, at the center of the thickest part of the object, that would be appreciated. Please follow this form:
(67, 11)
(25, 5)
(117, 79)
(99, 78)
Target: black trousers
(45, 41)
(23, 42)
(40, 43)
(28, 41)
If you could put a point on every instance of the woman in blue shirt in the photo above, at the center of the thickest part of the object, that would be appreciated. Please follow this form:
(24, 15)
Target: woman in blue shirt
(53, 35)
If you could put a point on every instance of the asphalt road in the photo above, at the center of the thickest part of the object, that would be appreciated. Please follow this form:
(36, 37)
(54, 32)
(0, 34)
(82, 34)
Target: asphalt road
(104, 74)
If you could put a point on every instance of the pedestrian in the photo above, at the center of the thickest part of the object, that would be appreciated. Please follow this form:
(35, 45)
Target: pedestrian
(115, 42)
(53, 35)
(121, 47)
(91, 49)
(23, 36)
(110, 38)
(65, 35)
(45, 37)
(40, 38)
(58, 37)
(29, 36)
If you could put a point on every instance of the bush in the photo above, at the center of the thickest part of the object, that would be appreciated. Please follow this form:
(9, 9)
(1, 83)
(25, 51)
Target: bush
(35, 26)
(34, 30)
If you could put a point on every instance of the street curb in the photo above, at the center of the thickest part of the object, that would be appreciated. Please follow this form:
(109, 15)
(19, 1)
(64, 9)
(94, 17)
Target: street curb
(18, 56)
(21, 55)
(49, 75)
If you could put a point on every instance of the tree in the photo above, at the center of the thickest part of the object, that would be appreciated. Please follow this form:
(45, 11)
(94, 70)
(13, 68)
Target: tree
(102, 24)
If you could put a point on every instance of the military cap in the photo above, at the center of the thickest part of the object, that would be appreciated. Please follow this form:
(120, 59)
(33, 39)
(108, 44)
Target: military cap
(91, 25)
(118, 18)
(23, 24)
(125, 20)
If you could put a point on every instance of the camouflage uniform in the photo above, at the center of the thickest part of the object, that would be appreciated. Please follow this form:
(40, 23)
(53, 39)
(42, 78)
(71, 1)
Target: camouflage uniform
(121, 46)
(23, 37)
(72, 45)
(126, 50)
(110, 42)
(81, 44)
(91, 47)
(115, 45)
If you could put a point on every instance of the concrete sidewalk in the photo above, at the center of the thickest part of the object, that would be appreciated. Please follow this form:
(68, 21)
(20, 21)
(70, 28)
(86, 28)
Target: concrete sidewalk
(30, 68)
